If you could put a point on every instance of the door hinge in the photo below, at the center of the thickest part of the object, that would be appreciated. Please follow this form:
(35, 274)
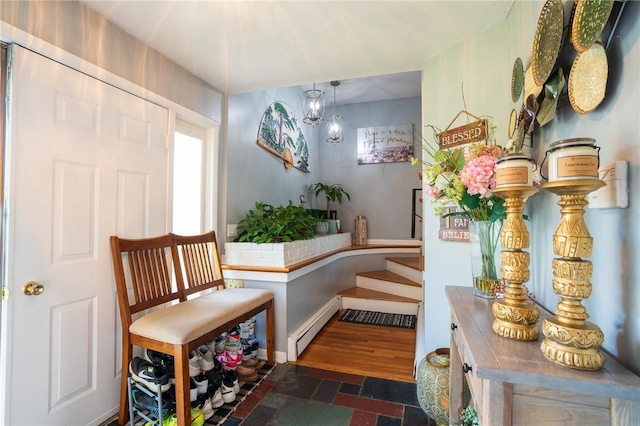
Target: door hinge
(4, 293)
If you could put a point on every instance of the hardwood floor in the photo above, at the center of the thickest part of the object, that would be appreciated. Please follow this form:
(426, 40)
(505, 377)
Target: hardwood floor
(367, 350)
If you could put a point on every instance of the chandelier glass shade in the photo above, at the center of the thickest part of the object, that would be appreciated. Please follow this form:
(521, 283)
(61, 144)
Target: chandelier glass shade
(334, 129)
(313, 106)
(334, 122)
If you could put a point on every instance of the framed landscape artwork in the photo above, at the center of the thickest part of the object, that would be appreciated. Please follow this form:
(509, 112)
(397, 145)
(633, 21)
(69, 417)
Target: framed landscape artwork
(385, 144)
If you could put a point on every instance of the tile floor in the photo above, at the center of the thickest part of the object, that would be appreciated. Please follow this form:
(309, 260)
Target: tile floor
(294, 396)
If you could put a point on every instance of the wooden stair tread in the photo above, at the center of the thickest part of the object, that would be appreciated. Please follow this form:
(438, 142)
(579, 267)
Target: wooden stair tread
(365, 293)
(386, 275)
(411, 262)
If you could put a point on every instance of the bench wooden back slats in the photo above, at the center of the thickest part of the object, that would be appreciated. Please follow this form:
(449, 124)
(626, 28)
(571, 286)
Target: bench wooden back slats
(149, 271)
(150, 278)
(201, 262)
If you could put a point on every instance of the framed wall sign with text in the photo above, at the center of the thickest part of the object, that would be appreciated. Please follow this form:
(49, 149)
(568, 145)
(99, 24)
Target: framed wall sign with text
(385, 144)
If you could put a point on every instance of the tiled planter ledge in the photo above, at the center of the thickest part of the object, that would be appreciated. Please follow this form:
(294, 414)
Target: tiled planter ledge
(283, 254)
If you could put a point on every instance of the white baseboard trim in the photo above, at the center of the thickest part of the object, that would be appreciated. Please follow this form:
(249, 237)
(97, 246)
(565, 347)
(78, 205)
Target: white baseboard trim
(300, 338)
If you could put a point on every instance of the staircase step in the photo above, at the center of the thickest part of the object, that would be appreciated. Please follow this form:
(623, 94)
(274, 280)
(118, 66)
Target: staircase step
(365, 293)
(386, 275)
(411, 262)
(408, 267)
(371, 300)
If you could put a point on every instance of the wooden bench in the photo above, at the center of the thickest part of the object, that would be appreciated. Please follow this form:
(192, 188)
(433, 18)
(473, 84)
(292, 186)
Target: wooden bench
(181, 279)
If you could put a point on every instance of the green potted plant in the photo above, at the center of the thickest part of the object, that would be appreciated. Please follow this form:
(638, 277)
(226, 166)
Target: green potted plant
(269, 224)
(333, 193)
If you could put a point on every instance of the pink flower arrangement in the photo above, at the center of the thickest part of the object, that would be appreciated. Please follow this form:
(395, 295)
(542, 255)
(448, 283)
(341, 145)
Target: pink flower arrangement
(465, 177)
(478, 175)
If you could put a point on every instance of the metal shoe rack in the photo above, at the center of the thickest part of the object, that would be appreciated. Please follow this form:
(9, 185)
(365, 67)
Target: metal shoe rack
(134, 410)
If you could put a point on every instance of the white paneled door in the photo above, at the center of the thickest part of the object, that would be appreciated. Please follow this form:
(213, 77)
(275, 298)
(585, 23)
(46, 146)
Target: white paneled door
(86, 161)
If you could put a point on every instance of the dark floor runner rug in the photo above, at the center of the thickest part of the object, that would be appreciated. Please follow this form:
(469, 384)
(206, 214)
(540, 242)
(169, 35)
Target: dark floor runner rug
(221, 414)
(379, 318)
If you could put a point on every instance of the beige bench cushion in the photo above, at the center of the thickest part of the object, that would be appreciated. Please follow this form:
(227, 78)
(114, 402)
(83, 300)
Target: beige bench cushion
(186, 321)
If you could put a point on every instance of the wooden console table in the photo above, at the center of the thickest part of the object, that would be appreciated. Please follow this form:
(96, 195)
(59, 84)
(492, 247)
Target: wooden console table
(512, 383)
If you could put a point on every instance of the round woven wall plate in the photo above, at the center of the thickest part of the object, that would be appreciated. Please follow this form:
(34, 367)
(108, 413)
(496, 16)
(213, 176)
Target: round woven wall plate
(588, 79)
(517, 80)
(513, 122)
(588, 20)
(530, 86)
(518, 137)
(547, 40)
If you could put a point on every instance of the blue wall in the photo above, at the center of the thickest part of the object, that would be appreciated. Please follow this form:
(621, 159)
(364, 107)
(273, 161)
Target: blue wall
(380, 192)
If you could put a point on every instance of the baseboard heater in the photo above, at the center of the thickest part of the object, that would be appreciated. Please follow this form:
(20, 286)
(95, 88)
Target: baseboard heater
(300, 338)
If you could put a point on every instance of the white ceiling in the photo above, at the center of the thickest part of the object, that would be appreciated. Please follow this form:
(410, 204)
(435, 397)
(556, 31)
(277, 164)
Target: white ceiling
(375, 48)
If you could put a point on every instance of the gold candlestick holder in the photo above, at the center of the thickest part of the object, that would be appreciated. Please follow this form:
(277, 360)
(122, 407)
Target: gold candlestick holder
(516, 315)
(570, 340)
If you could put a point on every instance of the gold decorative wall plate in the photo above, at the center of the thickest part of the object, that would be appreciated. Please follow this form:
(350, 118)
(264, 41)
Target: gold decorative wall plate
(513, 122)
(517, 80)
(518, 136)
(588, 79)
(530, 86)
(547, 40)
(588, 20)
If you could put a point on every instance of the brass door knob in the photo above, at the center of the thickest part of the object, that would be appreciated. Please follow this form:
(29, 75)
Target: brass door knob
(32, 288)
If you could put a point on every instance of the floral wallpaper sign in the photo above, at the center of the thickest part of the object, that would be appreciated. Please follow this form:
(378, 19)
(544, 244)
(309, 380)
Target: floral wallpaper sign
(385, 144)
(280, 134)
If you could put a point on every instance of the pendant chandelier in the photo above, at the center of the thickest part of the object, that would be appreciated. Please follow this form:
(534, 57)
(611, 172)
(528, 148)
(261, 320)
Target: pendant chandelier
(334, 122)
(313, 106)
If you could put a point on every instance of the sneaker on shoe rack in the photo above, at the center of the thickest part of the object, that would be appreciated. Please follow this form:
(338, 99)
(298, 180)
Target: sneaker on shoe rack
(234, 356)
(212, 347)
(227, 391)
(194, 364)
(246, 348)
(252, 328)
(253, 348)
(246, 374)
(244, 329)
(158, 358)
(220, 343)
(207, 409)
(149, 404)
(150, 375)
(250, 362)
(227, 361)
(197, 418)
(193, 390)
(172, 420)
(214, 377)
(249, 357)
(162, 359)
(217, 366)
(202, 382)
(206, 358)
(233, 341)
(215, 395)
(233, 377)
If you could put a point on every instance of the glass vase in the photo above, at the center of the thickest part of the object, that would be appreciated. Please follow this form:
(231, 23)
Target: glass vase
(485, 258)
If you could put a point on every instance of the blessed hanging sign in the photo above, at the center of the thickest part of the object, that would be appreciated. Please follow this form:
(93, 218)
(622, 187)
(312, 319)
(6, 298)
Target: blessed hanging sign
(475, 131)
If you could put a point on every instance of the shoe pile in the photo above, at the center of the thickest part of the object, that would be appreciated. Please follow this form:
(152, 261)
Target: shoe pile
(215, 371)
(240, 352)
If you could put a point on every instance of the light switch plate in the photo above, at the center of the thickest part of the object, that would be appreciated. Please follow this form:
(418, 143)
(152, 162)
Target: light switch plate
(233, 283)
(615, 195)
(232, 230)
